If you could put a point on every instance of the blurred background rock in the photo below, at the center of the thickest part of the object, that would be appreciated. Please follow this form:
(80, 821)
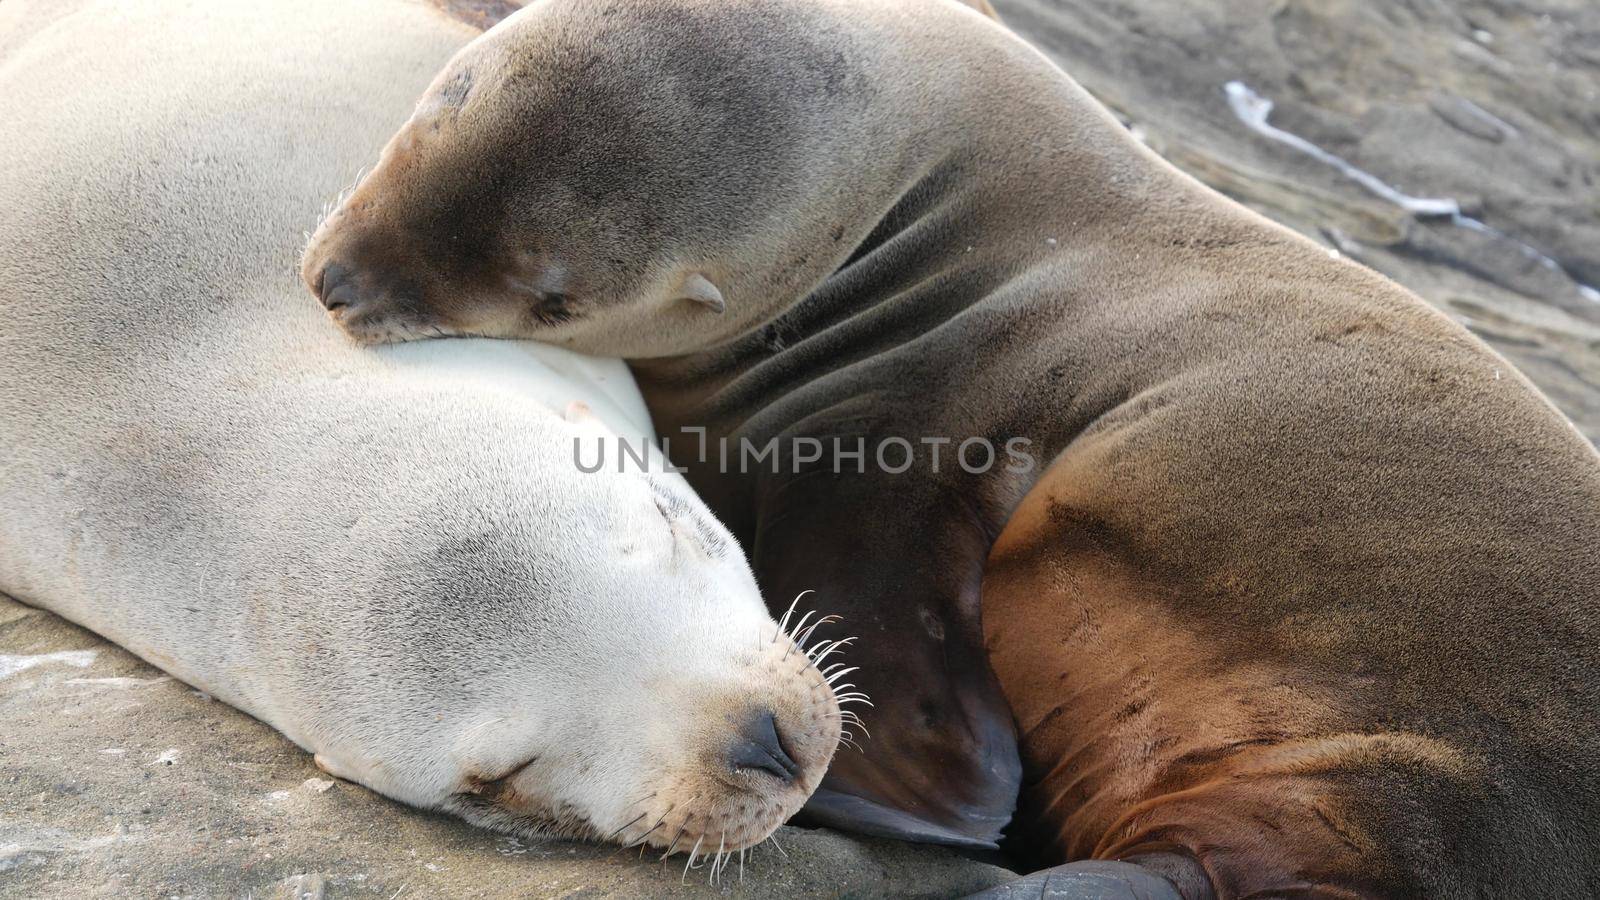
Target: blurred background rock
(1492, 103)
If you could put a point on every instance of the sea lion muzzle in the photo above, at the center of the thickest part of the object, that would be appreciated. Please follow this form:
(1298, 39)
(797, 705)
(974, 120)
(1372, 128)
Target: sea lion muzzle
(334, 287)
(759, 747)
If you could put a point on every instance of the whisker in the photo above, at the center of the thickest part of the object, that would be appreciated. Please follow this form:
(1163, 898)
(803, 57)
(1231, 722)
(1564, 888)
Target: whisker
(840, 674)
(799, 625)
(613, 834)
(690, 864)
(816, 648)
(806, 636)
(715, 872)
(833, 648)
(641, 839)
(658, 825)
(783, 623)
(674, 844)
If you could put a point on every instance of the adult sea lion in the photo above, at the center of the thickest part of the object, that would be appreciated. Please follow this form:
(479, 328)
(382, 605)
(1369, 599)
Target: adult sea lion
(389, 556)
(1301, 597)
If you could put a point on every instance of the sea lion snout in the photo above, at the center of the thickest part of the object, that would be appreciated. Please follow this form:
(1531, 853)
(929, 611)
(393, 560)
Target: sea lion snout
(751, 746)
(369, 275)
(333, 286)
(357, 304)
(758, 747)
(374, 302)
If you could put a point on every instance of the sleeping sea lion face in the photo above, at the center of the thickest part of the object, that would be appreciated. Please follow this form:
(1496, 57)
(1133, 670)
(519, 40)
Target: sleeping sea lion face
(601, 666)
(648, 178)
(613, 176)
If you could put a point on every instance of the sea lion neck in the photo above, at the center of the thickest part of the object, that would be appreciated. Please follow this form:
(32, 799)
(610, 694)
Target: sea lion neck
(979, 293)
(967, 211)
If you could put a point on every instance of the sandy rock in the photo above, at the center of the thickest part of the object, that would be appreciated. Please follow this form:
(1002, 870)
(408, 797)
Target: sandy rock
(1492, 103)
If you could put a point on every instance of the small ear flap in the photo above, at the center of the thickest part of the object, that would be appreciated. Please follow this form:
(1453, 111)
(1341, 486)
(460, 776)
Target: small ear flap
(981, 6)
(698, 287)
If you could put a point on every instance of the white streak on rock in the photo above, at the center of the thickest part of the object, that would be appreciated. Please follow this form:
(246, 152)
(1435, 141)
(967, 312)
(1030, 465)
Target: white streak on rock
(1253, 109)
(120, 682)
(12, 664)
(1506, 128)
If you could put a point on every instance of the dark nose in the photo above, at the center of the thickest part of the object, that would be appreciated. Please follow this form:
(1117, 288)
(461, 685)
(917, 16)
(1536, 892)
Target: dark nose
(757, 747)
(335, 287)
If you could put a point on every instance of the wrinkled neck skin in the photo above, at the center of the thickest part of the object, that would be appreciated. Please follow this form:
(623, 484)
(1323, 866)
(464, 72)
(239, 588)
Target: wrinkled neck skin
(948, 316)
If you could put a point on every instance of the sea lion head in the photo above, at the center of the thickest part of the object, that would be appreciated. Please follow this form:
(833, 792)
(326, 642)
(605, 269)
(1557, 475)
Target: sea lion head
(647, 178)
(591, 661)
(619, 176)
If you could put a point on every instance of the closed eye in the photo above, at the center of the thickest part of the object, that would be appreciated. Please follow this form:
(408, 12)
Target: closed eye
(494, 789)
(553, 309)
(677, 511)
(672, 506)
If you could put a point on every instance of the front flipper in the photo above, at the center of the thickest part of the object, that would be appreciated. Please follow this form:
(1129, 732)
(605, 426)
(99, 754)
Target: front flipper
(901, 561)
(480, 14)
(1094, 880)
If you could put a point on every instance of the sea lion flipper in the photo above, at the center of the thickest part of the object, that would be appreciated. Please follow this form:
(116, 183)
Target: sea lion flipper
(940, 764)
(481, 14)
(331, 766)
(1089, 880)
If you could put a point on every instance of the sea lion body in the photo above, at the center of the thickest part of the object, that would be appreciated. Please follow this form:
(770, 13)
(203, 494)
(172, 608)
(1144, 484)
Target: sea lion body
(389, 555)
(1299, 596)
(1308, 601)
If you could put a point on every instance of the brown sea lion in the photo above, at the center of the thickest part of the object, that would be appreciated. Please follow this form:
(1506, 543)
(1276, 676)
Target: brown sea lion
(1301, 597)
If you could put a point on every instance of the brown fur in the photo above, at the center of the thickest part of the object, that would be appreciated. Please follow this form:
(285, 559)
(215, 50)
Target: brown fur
(1314, 603)
(1309, 595)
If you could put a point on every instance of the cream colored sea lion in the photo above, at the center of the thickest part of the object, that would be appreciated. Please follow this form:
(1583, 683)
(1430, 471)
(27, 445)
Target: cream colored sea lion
(390, 556)
(1300, 596)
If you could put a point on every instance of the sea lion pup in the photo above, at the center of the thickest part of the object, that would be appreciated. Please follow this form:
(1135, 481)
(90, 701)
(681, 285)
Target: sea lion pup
(458, 230)
(1301, 598)
(390, 556)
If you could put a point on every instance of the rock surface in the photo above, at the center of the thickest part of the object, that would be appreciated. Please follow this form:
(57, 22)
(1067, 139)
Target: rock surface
(1494, 104)
(118, 781)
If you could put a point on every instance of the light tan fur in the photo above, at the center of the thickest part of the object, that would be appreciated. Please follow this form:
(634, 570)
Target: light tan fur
(390, 555)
